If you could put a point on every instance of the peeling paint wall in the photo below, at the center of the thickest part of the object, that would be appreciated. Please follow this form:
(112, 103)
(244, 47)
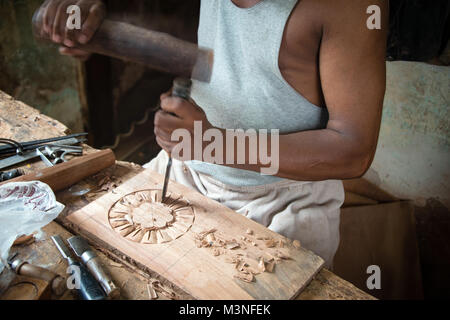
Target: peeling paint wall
(36, 73)
(413, 156)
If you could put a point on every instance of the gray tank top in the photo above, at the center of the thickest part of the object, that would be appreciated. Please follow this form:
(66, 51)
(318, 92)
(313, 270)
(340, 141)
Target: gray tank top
(247, 89)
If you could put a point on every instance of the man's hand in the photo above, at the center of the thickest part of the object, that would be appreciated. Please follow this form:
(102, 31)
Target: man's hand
(177, 113)
(54, 21)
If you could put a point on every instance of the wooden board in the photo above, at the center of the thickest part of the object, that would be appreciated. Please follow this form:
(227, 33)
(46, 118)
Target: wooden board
(197, 271)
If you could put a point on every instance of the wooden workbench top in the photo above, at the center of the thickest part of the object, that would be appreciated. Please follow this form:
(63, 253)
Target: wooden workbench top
(23, 123)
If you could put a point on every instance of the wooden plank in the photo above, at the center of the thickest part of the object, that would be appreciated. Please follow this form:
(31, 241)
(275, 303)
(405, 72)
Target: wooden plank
(197, 271)
(327, 286)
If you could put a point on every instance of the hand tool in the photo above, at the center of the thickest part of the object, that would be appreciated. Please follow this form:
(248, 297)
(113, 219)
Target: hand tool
(5, 176)
(13, 146)
(23, 268)
(89, 289)
(182, 89)
(66, 174)
(153, 49)
(31, 154)
(95, 266)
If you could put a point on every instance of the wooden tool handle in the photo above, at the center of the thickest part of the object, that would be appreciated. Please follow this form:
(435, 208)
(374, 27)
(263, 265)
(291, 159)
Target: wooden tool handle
(64, 175)
(56, 281)
(156, 50)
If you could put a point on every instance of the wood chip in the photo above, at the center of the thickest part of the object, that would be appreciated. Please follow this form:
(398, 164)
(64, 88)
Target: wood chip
(296, 244)
(262, 265)
(254, 271)
(245, 277)
(210, 238)
(115, 264)
(241, 266)
(216, 252)
(203, 234)
(282, 255)
(249, 231)
(270, 266)
(232, 245)
(270, 243)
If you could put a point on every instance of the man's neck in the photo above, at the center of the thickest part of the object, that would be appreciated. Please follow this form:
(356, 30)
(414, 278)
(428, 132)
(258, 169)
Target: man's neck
(245, 3)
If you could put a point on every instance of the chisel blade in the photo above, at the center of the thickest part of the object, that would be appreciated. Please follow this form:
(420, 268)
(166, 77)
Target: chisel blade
(166, 179)
(78, 245)
(59, 242)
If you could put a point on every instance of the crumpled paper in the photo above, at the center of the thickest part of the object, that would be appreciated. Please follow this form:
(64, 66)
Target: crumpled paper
(25, 208)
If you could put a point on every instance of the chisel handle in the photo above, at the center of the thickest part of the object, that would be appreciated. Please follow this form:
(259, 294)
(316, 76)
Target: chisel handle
(58, 283)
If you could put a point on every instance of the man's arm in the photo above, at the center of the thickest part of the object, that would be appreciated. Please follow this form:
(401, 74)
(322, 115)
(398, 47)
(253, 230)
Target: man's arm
(353, 77)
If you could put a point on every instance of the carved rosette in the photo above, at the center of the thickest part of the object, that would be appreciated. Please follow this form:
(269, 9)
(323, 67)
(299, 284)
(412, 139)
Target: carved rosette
(141, 217)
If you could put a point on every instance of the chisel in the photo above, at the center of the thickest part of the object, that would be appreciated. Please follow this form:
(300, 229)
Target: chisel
(88, 287)
(95, 266)
(181, 89)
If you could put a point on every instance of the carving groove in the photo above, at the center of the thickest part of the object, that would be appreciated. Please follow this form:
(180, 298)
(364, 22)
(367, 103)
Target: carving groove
(141, 217)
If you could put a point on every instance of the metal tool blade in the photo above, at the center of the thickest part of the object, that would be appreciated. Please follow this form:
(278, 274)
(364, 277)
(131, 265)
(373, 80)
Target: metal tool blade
(79, 245)
(29, 145)
(13, 160)
(12, 257)
(9, 162)
(44, 159)
(166, 179)
(59, 242)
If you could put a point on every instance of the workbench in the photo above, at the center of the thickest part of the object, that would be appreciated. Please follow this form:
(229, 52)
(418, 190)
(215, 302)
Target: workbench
(24, 123)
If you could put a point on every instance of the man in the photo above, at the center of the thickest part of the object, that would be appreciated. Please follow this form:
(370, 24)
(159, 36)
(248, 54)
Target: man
(312, 69)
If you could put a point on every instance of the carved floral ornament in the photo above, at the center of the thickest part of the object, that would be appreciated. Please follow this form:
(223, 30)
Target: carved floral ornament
(141, 217)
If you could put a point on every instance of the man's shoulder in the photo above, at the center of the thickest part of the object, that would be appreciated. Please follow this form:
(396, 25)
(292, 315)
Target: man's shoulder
(334, 14)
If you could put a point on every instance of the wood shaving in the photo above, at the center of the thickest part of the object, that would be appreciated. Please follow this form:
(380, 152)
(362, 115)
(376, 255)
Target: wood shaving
(270, 266)
(249, 232)
(262, 265)
(203, 234)
(216, 252)
(232, 245)
(270, 243)
(241, 265)
(253, 271)
(166, 291)
(210, 238)
(282, 255)
(245, 277)
(296, 244)
(115, 264)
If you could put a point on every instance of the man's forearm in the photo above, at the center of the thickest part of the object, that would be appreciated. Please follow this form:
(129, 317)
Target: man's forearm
(305, 156)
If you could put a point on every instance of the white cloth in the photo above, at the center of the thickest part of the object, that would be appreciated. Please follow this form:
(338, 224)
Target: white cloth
(304, 211)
